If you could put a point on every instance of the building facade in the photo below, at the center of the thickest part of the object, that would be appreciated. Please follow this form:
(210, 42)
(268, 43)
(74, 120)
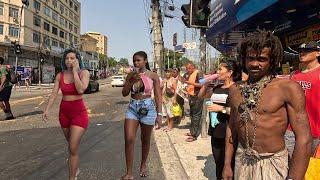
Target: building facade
(102, 45)
(47, 27)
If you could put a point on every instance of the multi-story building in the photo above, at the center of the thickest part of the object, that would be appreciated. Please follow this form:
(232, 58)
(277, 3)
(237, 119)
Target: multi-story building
(102, 44)
(47, 28)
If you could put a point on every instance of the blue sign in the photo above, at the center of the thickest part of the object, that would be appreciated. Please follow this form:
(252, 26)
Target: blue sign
(226, 14)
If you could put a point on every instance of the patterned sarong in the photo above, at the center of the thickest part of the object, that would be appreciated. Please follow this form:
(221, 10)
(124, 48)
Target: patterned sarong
(262, 166)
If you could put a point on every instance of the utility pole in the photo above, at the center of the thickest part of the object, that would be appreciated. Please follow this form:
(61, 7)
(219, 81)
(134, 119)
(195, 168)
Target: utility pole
(203, 54)
(157, 36)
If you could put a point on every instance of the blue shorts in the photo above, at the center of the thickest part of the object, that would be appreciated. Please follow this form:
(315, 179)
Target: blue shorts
(133, 111)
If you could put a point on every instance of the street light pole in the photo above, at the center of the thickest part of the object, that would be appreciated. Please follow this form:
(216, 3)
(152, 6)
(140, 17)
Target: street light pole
(19, 31)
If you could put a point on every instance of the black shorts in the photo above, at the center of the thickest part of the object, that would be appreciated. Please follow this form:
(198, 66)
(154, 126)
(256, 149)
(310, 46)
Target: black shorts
(5, 93)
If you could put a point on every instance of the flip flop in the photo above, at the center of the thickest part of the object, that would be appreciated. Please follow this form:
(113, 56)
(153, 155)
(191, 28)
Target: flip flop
(191, 139)
(144, 174)
(188, 134)
(122, 178)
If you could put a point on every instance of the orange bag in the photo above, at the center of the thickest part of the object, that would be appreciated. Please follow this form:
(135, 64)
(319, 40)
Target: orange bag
(313, 171)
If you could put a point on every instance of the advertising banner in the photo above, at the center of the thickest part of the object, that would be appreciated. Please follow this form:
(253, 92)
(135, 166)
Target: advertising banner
(226, 14)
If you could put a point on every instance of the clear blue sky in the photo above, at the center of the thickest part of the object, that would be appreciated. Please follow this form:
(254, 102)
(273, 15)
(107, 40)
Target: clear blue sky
(126, 26)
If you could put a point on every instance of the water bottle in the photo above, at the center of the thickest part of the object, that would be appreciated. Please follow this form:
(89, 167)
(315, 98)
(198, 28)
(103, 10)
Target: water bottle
(208, 78)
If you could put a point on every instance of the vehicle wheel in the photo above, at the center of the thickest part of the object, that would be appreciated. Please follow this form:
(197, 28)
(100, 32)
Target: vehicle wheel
(112, 85)
(97, 88)
(88, 90)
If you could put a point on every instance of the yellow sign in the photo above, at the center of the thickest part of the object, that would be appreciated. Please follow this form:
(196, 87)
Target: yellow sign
(304, 35)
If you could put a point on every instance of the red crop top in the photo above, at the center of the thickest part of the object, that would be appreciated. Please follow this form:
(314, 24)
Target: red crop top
(67, 89)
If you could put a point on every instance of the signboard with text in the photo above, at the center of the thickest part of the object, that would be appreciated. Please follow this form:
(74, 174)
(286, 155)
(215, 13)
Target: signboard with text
(226, 14)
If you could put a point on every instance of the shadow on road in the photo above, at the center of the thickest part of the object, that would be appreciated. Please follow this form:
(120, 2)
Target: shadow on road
(209, 169)
(122, 102)
(29, 114)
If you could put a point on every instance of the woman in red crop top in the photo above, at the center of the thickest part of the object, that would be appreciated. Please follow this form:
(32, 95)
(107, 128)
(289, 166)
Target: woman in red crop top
(73, 115)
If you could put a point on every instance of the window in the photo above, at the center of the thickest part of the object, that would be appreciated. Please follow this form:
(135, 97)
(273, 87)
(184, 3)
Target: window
(1, 28)
(55, 16)
(46, 41)
(61, 34)
(62, 45)
(70, 37)
(62, 22)
(71, 4)
(55, 43)
(46, 26)
(75, 29)
(13, 31)
(61, 8)
(55, 3)
(13, 12)
(76, 19)
(75, 40)
(36, 20)
(47, 11)
(36, 37)
(1, 9)
(36, 5)
(54, 30)
(67, 12)
(70, 27)
(76, 8)
(70, 14)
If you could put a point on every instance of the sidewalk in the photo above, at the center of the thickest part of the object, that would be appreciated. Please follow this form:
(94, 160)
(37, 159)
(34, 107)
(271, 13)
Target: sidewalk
(183, 160)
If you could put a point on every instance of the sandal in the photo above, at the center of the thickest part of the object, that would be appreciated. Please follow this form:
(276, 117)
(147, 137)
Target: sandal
(143, 174)
(191, 139)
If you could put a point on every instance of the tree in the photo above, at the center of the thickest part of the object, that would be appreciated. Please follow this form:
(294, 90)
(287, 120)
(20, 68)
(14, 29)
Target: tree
(124, 62)
(103, 61)
(112, 61)
(171, 55)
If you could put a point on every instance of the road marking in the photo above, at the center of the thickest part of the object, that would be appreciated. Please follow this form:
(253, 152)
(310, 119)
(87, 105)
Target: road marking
(24, 100)
(96, 115)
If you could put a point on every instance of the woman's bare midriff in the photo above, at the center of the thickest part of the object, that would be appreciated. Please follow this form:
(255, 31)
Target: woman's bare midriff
(140, 96)
(71, 97)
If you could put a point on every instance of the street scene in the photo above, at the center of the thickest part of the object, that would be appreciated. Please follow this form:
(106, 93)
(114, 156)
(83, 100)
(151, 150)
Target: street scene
(160, 90)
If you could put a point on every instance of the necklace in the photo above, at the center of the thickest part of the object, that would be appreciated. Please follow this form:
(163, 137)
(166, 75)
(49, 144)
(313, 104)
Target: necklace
(251, 94)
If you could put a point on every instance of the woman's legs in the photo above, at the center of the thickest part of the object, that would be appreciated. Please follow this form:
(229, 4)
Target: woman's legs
(75, 135)
(130, 130)
(146, 131)
(218, 148)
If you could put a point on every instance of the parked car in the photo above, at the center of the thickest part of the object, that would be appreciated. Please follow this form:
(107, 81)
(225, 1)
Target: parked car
(117, 81)
(93, 85)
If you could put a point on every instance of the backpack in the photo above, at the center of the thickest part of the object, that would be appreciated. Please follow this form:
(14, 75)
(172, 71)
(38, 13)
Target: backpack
(11, 76)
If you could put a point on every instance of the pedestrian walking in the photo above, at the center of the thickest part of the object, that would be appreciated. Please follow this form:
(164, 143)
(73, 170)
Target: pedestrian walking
(169, 98)
(309, 79)
(18, 76)
(229, 72)
(142, 110)
(192, 78)
(73, 116)
(179, 99)
(261, 109)
(5, 91)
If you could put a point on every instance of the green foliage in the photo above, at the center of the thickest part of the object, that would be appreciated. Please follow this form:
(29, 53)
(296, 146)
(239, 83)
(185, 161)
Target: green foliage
(124, 61)
(180, 61)
(112, 61)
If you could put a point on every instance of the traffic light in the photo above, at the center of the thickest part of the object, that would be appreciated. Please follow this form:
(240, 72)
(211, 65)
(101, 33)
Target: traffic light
(186, 11)
(200, 13)
(25, 2)
(17, 48)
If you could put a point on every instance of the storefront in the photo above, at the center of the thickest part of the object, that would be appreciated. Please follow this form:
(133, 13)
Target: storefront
(294, 22)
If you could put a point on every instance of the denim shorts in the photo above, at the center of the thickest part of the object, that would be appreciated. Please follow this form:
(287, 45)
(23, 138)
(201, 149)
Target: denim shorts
(133, 111)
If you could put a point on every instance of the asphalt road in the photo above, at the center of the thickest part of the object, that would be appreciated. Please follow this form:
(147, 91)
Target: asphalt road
(32, 149)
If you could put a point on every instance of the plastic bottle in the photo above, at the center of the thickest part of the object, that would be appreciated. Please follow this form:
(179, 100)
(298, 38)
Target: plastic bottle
(208, 78)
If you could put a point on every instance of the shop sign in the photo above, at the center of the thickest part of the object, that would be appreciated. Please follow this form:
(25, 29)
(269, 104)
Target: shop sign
(308, 34)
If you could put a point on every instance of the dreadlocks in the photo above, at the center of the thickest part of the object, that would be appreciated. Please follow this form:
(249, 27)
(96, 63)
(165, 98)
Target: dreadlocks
(259, 40)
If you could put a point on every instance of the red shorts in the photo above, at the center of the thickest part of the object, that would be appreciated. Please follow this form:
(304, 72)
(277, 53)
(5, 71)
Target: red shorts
(73, 113)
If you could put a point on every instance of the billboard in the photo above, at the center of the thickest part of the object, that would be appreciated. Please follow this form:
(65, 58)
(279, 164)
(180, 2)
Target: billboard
(226, 14)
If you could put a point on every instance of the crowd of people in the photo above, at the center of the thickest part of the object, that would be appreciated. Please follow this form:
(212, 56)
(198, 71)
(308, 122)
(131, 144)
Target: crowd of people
(261, 126)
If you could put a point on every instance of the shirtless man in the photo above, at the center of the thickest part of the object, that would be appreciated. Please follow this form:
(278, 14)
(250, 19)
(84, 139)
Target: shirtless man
(261, 109)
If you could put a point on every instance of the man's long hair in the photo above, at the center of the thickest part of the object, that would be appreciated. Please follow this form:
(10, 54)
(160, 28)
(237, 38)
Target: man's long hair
(257, 41)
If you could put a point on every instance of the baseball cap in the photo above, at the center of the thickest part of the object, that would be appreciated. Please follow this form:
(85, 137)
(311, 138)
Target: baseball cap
(310, 45)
